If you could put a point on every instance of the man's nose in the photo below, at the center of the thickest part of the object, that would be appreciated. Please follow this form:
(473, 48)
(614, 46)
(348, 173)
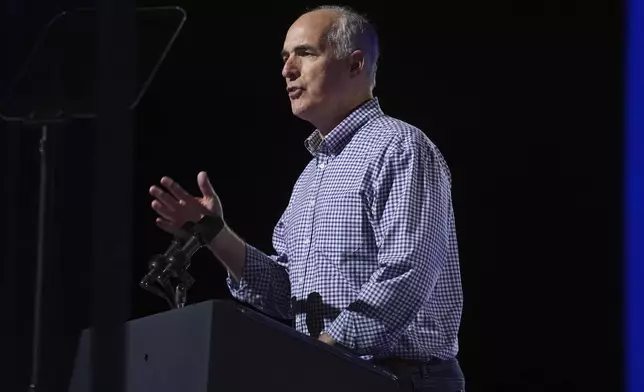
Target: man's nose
(290, 70)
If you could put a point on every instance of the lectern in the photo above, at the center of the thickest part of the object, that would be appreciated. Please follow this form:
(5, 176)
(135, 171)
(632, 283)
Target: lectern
(223, 346)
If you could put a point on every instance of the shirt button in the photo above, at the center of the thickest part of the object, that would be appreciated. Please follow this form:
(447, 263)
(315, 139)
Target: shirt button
(307, 241)
(312, 203)
(322, 165)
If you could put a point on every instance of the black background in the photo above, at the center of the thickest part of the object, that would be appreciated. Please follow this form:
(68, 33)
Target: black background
(523, 98)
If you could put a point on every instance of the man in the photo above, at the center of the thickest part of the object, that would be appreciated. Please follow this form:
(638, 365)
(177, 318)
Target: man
(366, 248)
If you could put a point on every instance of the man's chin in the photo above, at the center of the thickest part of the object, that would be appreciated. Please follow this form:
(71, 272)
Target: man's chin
(299, 109)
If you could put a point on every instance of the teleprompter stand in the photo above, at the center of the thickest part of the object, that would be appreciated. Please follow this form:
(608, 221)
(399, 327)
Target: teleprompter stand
(58, 85)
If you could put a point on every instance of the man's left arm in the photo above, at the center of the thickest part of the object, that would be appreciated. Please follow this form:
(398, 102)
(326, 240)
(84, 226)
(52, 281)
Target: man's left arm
(412, 210)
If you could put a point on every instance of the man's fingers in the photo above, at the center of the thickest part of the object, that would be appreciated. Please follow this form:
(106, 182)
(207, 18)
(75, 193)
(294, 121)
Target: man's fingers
(164, 198)
(167, 226)
(162, 210)
(177, 191)
(204, 185)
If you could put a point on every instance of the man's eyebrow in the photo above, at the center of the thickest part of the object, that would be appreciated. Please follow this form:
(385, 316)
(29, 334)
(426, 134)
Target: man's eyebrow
(299, 48)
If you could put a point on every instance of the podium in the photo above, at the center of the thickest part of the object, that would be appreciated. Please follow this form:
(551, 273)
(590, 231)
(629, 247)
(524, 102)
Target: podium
(223, 346)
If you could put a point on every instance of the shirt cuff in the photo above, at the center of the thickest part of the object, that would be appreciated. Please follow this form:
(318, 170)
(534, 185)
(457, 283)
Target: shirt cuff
(254, 268)
(360, 334)
(342, 330)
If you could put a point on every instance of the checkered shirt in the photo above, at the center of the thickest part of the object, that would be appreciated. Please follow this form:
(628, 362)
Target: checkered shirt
(366, 249)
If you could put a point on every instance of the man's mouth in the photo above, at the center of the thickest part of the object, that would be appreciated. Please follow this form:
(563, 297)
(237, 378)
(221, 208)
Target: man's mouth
(294, 92)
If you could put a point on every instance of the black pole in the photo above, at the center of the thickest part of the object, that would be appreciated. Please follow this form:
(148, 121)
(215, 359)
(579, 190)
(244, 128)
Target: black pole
(112, 215)
(40, 264)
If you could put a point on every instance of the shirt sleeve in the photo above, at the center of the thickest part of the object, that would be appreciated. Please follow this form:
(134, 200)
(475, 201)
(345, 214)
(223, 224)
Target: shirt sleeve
(265, 283)
(411, 211)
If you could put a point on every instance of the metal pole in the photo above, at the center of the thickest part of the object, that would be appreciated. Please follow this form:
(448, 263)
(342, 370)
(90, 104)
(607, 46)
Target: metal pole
(40, 263)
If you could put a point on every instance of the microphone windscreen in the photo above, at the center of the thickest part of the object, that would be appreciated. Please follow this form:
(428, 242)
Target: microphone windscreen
(185, 232)
(208, 227)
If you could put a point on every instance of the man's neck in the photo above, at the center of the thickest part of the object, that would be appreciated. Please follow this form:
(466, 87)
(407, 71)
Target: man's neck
(325, 127)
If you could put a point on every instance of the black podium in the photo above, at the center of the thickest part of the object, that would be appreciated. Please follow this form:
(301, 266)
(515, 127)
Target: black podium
(226, 347)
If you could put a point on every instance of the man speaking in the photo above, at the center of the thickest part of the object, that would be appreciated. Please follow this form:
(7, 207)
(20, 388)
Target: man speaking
(366, 249)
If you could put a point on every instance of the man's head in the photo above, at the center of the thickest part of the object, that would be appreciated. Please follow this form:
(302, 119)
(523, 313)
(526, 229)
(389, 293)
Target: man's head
(330, 58)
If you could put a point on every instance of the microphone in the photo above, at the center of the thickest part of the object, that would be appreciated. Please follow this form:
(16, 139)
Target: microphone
(202, 233)
(173, 264)
(158, 262)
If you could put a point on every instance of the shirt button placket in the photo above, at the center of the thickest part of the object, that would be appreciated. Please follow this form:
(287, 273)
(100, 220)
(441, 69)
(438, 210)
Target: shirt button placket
(306, 284)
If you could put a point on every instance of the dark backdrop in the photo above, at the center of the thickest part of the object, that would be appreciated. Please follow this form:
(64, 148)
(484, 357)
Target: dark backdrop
(523, 98)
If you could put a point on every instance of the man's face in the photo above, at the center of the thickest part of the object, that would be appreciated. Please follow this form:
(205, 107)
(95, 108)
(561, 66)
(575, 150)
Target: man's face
(315, 81)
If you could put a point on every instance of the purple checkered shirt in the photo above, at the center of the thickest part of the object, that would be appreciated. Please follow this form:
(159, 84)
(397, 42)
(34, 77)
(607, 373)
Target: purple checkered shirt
(366, 249)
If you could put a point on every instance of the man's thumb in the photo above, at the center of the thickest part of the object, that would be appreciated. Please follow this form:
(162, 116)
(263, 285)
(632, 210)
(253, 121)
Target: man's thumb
(204, 184)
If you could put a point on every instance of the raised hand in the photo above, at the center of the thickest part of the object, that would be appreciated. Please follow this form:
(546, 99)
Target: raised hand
(176, 207)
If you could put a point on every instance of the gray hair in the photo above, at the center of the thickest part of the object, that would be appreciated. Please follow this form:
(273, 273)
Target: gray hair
(350, 32)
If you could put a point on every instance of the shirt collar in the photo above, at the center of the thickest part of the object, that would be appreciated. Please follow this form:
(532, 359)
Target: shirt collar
(339, 136)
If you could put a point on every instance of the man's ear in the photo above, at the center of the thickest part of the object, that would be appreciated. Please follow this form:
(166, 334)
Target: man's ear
(356, 63)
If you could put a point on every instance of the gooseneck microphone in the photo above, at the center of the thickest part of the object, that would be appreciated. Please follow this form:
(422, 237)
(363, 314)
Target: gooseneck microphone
(172, 265)
(158, 261)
